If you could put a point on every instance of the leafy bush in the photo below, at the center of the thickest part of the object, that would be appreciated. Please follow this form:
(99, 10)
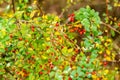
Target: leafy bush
(44, 48)
(38, 46)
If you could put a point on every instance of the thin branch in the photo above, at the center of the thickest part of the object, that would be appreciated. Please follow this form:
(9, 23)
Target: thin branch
(39, 7)
(13, 5)
(107, 8)
(107, 25)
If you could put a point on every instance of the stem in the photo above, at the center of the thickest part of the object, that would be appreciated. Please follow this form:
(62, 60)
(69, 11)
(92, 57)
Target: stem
(39, 7)
(13, 5)
(107, 25)
(107, 8)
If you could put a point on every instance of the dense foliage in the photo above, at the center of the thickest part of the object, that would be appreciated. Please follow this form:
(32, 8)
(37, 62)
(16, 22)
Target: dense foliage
(45, 48)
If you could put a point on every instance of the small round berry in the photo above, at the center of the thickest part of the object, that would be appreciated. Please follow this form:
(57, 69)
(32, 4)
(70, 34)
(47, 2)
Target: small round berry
(69, 78)
(57, 24)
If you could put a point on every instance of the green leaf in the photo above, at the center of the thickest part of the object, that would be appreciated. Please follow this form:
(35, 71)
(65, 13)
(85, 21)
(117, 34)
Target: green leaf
(112, 33)
(31, 76)
(73, 73)
(89, 75)
(1, 66)
(87, 43)
(2, 50)
(52, 74)
(85, 22)
(67, 69)
(79, 69)
(1, 73)
(26, 1)
(82, 74)
(79, 78)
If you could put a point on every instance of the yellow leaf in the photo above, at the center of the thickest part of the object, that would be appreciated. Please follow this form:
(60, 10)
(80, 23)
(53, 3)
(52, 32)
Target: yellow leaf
(21, 73)
(30, 49)
(100, 52)
(48, 38)
(43, 45)
(79, 25)
(70, 50)
(74, 67)
(113, 56)
(101, 38)
(105, 79)
(33, 13)
(44, 16)
(94, 77)
(57, 33)
(97, 45)
(61, 40)
(108, 52)
(108, 58)
(35, 2)
(3, 32)
(56, 18)
(109, 40)
(106, 44)
(106, 72)
(44, 57)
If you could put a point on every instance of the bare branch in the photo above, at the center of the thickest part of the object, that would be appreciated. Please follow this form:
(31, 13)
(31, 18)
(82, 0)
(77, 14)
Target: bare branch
(109, 26)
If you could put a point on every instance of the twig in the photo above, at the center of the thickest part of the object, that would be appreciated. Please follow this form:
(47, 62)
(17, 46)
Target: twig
(13, 5)
(107, 25)
(39, 7)
(107, 8)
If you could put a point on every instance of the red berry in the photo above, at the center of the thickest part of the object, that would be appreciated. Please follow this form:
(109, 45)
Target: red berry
(105, 63)
(14, 51)
(71, 19)
(72, 14)
(93, 73)
(65, 36)
(32, 27)
(47, 47)
(82, 66)
(6, 49)
(48, 71)
(17, 72)
(76, 28)
(62, 47)
(76, 50)
(33, 56)
(20, 39)
(83, 30)
(51, 66)
(81, 33)
(56, 58)
(79, 30)
(57, 24)
(40, 72)
(45, 68)
(72, 30)
(11, 36)
(26, 41)
(105, 55)
(119, 24)
(69, 78)
(40, 66)
(73, 58)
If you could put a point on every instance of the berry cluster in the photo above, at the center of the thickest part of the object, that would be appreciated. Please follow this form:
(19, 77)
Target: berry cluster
(80, 31)
(71, 17)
